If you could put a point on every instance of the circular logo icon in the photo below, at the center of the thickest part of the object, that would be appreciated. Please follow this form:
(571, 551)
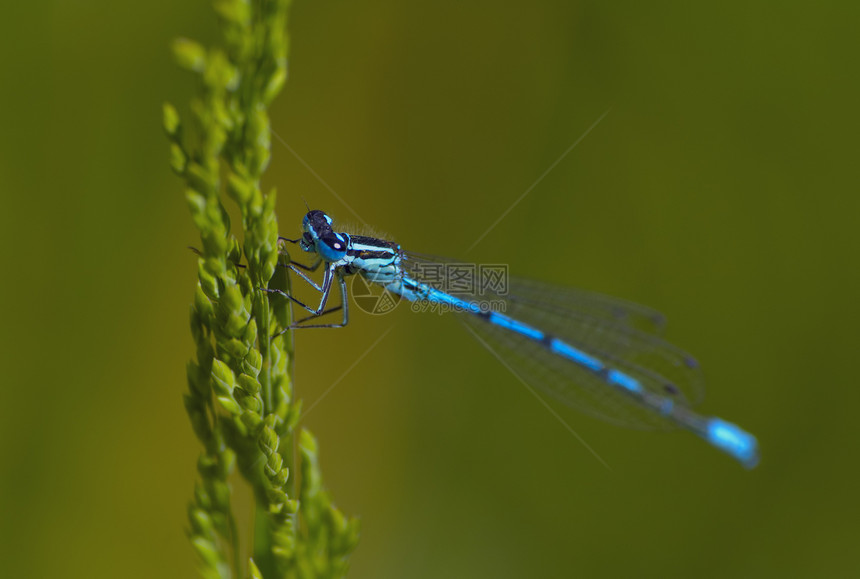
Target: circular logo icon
(371, 297)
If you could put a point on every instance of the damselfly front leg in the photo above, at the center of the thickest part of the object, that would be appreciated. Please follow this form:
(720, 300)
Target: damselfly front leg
(331, 272)
(344, 305)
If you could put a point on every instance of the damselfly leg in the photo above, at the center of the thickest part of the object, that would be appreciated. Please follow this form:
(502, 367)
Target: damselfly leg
(325, 289)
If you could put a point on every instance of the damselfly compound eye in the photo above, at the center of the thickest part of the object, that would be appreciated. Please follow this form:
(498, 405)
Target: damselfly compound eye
(332, 246)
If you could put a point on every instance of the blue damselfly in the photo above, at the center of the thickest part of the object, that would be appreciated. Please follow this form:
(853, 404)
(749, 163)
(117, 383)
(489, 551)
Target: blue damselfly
(588, 351)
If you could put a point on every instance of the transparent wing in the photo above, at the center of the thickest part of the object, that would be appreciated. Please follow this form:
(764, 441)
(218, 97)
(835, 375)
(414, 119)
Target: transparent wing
(620, 334)
(595, 305)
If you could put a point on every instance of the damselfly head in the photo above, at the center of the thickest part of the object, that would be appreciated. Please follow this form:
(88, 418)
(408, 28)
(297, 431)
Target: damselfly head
(316, 222)
(319, 237)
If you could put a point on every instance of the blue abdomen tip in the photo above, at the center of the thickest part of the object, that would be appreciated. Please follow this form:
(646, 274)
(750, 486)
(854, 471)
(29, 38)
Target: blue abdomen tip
(734, 440)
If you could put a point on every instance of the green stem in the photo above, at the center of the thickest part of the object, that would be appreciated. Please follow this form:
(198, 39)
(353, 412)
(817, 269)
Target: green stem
(240, 401)
(263, 543)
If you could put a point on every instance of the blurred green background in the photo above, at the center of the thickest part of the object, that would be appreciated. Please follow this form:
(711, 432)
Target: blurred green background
(721, 188)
